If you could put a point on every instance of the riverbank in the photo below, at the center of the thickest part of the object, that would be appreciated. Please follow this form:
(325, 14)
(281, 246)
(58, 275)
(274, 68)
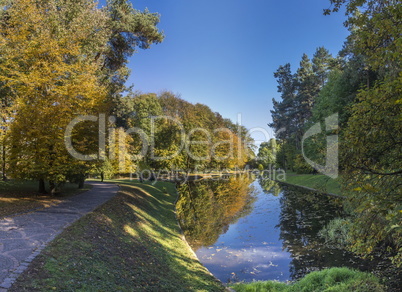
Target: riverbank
(318, 182)
(133, 242)
(334, 279)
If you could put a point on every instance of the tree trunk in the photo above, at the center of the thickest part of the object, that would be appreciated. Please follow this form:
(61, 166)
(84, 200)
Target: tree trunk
(3, 164)
(42, 189)
(81, 183)
(53, 188)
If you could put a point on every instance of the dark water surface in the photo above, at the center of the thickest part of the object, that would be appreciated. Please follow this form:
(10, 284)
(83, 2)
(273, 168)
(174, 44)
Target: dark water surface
(245, 230)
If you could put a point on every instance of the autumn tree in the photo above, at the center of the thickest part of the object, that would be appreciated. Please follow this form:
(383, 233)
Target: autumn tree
(61, 59)
(54, 78)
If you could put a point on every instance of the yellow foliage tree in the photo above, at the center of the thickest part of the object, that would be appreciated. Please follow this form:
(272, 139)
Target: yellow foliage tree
(47, 60)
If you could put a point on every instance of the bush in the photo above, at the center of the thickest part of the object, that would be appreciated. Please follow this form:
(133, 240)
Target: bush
(337, 232)
(301, 166)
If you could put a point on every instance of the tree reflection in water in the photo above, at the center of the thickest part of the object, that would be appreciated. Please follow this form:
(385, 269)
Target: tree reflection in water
(245, 230)
(303, 214)
(206, 207)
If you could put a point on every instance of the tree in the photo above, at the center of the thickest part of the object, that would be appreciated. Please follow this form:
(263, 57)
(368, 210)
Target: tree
(129, 29)
(6, 101)
(373, 168)
(373, 136)
(292, 115)
(322, 64)
(48, 66)
(307, 90)
(375, 27)
(267, 153)
(63, 58)
(283, 112)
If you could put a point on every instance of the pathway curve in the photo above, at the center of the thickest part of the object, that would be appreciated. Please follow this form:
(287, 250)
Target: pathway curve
(23, 237)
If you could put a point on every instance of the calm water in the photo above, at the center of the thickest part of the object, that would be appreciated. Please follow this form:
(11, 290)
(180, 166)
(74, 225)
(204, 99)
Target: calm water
(243, 230)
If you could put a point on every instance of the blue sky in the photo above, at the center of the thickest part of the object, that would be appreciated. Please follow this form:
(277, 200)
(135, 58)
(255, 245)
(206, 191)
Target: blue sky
(223, 53)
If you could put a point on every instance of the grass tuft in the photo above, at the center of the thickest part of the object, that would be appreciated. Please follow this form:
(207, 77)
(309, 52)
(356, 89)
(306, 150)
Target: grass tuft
(329, 280)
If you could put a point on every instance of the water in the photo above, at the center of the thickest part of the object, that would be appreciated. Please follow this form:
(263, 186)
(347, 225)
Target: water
(243, 230)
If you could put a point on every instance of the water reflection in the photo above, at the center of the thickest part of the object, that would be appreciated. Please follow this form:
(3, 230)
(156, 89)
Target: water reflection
(206, 208)
(303, 214)
(243, 230)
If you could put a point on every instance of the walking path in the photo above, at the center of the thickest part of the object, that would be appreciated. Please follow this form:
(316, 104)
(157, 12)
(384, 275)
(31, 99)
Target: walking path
(23, 237)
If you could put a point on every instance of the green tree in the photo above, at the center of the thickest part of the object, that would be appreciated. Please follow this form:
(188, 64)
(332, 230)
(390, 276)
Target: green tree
(373, 136)
(129, 29)
(373, 168)
(267, 153)
(322, 65)
(283, 113)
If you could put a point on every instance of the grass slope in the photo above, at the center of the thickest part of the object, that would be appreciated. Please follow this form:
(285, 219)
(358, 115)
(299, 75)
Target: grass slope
(334, 279)
(315, 181)
(131, 243)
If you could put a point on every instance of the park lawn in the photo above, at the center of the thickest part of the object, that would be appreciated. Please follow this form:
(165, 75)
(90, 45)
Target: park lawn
(318, 182)
(19, 196)
(131, 243)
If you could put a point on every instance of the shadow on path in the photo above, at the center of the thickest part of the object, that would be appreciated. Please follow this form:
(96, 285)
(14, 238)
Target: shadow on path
(23, 237)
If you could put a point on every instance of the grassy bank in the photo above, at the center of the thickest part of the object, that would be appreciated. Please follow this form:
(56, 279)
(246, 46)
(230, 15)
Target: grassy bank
(319, 182)
(131, 243)
(18, 196)
(334, 279)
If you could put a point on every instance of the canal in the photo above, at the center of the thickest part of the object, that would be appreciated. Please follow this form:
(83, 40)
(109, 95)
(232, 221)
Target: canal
(245, 229)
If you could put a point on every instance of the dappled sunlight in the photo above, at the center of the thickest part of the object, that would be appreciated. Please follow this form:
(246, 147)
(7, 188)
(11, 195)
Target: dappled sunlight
(140, 189)
(131, 231)
(10, 200)
(155, 228)
(143, 190)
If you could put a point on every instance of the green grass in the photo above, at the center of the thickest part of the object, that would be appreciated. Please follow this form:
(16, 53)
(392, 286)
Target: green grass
(334, 280)
(319, 182)
(131, 243)
(19, 196)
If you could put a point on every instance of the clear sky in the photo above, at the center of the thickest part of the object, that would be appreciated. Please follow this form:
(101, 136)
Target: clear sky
(223, 53)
